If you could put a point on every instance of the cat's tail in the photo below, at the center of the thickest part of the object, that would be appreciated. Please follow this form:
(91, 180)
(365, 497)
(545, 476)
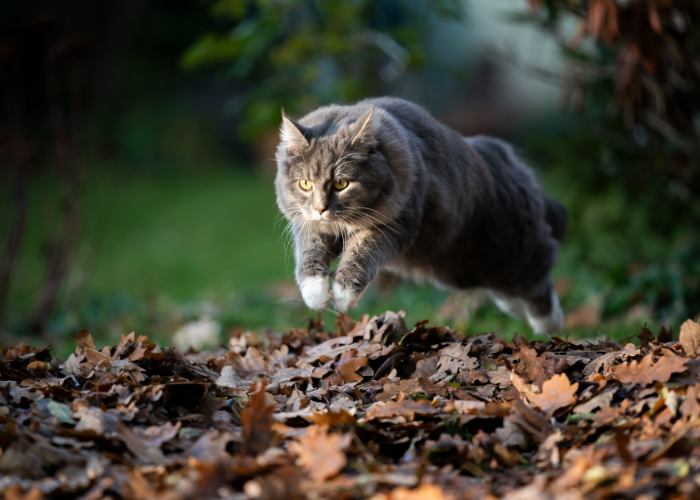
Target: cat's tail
(556, 216)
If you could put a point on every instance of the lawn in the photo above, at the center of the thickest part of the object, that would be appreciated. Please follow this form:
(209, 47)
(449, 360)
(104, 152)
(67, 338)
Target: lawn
(158, 251)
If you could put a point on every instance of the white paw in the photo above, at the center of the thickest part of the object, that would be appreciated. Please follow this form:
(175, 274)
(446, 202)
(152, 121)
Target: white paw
(548, 324)
(315, 292)
(344, 298)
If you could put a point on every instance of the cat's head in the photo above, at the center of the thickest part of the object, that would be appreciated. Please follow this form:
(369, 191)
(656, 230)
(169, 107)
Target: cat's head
(331, 171)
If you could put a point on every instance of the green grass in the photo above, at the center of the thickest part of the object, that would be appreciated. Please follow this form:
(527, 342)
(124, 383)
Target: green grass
(156, 252)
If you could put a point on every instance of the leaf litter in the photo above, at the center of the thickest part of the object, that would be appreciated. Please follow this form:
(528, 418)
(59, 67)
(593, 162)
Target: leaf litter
(368, 409)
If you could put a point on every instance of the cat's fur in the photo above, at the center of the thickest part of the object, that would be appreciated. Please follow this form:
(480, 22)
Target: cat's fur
(422, 201)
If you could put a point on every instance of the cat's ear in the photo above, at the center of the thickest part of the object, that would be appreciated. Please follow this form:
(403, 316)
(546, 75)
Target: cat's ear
(292, 133)
(364, 129)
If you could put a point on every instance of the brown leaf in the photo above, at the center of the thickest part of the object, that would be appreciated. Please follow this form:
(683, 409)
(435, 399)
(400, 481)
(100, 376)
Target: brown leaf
(665, 335)
(321, 454)
(645, 336)
(537, 369)
(38, 367)
(690, 338)
(423, 492)
(72, 364)
(646, 372)
(257, 421)
(330, 418)
(84, 340)
(455, 357)
(145, 452)
(348, 364)
(95, 357)
(406, 409)
(557, 393)
(690, 406)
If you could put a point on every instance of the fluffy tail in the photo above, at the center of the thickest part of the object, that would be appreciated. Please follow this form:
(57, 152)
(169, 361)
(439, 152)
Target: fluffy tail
(557, 218)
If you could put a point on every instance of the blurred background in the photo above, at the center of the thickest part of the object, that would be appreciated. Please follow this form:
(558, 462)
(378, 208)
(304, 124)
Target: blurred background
(137, 140)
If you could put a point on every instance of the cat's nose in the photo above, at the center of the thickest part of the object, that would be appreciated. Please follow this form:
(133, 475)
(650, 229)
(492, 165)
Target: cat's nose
(320, 210)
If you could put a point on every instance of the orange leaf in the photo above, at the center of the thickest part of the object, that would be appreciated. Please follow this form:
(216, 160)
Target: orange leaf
(406, 408)
(557, 392)
(690, 338)
(320, 453)
(348, 365)
(257, 421)
(646, 372)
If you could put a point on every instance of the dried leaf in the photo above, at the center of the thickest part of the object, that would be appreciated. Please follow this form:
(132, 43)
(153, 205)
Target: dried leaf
(406, 409)
(690, 338)
(557, 393)
(72, 364)
(348, 364)
(257, 421)
(84, 340)
(646, 372)
(645, 336)
(321, 454)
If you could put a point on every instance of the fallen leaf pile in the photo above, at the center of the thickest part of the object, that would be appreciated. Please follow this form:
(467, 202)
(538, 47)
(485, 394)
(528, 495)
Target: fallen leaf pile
(369, 410)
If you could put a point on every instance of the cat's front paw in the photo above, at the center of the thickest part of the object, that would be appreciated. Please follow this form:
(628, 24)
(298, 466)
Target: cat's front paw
(344, 298)
(315, 292)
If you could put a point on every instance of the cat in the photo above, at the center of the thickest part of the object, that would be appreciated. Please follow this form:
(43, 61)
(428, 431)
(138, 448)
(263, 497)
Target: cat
(384, 186)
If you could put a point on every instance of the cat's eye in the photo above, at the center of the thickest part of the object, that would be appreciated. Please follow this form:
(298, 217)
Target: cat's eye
(340, 184)
(306, 185)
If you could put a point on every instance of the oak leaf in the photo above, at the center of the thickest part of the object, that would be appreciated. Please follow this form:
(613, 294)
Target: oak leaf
(690, 338)
(84, 340)
(455, 357)
(557, 392)
(406, 408)
(349, 363)
(321, 454)
(646, 372)
(257, 421)
(645, 336)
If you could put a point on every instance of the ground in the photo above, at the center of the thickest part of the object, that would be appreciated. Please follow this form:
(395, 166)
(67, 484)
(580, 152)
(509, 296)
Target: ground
(364, 409)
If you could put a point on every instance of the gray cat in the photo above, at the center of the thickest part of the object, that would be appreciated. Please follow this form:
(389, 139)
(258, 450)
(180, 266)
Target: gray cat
(384, 185)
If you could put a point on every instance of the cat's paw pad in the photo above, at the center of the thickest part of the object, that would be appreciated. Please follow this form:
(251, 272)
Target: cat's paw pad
(315, 292)
(344, 298)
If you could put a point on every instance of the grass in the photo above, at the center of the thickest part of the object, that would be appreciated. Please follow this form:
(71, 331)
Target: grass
(158, 251)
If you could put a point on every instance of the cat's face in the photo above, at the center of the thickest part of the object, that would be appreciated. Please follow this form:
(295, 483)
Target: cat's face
(332, 180)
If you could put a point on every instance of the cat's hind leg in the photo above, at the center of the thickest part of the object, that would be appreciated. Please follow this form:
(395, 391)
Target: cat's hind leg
(510, 305)
(543, 311)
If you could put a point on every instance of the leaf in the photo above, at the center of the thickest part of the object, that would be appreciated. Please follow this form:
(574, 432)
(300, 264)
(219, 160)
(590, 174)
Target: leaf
(72, 364)
(145, 453)
(84, 340)
(321, 454)
(61, 411)
(329, 418)
(665, 335)
(538, 369)
(455, 357)
(405, 409)
(39, 367)
(257, 421)
(348, 364)
(229, 378)
(646, 372)
(94, 419)
(645, 336)
(690, 406)
(690, 338)
(557, 393)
